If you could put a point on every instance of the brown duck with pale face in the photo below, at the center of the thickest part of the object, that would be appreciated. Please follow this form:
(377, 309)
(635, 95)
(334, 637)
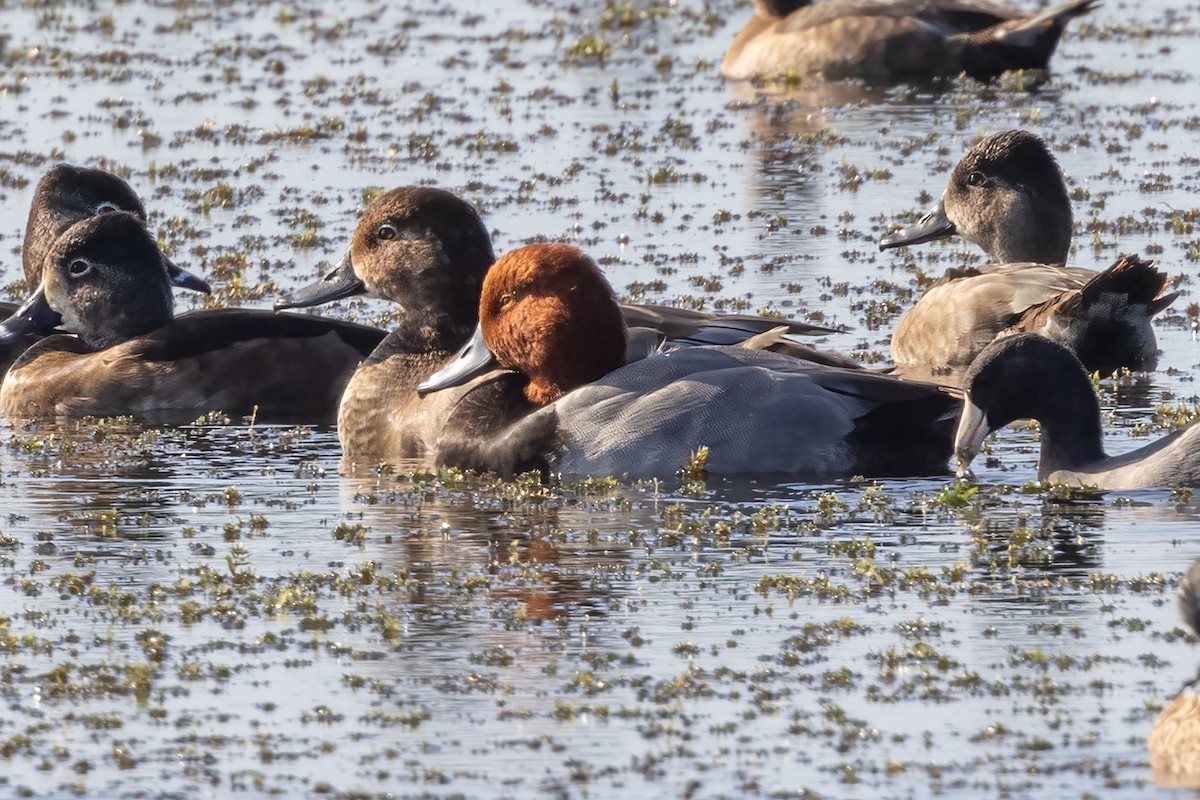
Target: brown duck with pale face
(1008, 196)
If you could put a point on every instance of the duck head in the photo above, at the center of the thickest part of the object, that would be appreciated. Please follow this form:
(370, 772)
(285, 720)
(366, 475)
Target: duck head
(67, 194)
(421, 247)
(104, 279)
(547, 312)
(1006, 195)
(1025, 376)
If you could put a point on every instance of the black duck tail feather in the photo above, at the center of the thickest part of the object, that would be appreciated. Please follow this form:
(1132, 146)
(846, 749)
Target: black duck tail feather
(1131, 276)
(1019, 44)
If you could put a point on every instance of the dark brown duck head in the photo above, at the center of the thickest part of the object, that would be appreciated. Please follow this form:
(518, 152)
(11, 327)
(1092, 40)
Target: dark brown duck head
(104, 279)
(423, 248)
(1006, 195)
(67, 194)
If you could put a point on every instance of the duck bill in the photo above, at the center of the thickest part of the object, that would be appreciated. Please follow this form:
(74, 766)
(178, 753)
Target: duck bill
(340, 282)
(934, 225)
(475, 358)
(185, 280)
(34, 316)
(972, 430)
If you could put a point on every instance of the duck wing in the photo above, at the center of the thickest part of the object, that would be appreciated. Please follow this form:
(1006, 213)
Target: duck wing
(281, 367)
(1107, 321)
(756, 412)
(966, 308)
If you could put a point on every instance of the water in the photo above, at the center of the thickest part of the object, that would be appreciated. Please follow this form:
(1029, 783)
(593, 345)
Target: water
(213, 611)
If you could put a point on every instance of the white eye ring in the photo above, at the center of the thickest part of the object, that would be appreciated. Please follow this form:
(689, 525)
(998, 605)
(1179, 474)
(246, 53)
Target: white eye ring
(106, 206)
(79, 267)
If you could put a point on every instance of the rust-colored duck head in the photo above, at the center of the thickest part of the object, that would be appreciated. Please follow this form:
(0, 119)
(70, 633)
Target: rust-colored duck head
(547, 312)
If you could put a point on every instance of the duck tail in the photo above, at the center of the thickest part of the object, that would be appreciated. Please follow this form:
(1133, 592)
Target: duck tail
(1107, 322)
(1132, 277)
(1025, 43)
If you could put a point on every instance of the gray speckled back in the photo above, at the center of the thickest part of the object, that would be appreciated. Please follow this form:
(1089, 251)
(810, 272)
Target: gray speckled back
(756, 411)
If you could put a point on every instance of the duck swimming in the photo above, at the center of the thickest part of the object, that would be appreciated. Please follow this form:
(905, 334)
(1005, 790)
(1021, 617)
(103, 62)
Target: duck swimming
(106, 283)
(65, 195)
(547, 313)
(895, 40)
(1174, 741)
(427, 250)
(1025, 376)
(1008, 196)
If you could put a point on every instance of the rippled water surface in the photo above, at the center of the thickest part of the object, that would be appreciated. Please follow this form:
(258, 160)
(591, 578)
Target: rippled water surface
(214, 611)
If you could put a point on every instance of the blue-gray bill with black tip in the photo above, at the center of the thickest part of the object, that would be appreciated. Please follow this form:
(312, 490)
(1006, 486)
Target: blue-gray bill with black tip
(474, 358)
(339, 282)
(934, 225)
(34, 316)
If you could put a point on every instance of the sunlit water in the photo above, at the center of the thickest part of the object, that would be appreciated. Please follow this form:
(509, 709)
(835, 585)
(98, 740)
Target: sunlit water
(214, 611)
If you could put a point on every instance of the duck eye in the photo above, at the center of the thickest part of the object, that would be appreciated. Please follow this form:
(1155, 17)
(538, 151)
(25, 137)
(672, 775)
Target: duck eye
(105, 207)
(386, 232)
(977, 178)
(79, 267)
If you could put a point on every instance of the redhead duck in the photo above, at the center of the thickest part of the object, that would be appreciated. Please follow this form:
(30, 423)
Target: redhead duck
(65, 195)
(427, 250)
(1008, 195)
(895, 40)
(1025, 376)
(547, 313)
(106, 283)
(1174, 741)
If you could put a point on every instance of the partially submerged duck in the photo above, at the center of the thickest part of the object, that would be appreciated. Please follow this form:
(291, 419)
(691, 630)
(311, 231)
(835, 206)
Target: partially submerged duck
(107, 285)
(1025, 376)
(895, 40)
(1008, 196)
(547, 313)
(428, 251)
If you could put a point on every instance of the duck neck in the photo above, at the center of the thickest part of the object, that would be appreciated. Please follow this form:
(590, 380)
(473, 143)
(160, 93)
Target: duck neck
(430, 329)
(1071, 434)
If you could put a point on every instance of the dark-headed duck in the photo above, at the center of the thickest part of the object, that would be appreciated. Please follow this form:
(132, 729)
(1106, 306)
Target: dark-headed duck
(107, 284)
(428, 251)
(1025, 376)
(547, 313)
(883, 41)
(1008, 196)
(65, 195)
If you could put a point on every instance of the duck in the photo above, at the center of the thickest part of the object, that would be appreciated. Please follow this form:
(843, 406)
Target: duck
(427, 250)
(1174, 741)
(64, 195)
(121, 351)
(1026, 376)
(547, 315)
(887, 41)
(1008, 195)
